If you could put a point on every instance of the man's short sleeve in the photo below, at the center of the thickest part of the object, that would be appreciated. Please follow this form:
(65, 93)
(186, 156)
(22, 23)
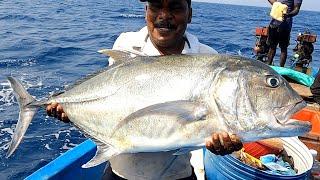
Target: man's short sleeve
(205, 49)
(126, 41)
(120, 42)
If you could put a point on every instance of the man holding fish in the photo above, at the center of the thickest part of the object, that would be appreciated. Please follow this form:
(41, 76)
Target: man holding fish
(146, 113)
(165, 34)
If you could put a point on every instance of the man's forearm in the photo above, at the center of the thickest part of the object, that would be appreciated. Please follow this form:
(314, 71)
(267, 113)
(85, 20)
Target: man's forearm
(295, 10)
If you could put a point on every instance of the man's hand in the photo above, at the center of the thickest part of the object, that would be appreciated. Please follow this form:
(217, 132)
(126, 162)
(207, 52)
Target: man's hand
(223, 144)
(285, 16)
(56, 110)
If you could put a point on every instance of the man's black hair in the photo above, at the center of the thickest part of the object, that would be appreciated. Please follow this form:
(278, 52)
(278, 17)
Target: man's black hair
(188, 1)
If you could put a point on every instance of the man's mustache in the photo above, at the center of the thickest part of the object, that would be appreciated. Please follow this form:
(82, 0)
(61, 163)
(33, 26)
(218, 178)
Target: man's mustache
(164, 24)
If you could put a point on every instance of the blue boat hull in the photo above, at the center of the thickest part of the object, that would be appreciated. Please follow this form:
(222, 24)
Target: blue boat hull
(68, 165)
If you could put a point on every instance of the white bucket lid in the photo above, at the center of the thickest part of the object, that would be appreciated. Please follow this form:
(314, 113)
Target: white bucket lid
(301, 155)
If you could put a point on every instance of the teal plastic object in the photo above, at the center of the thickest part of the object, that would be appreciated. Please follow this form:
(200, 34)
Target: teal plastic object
(297, 76)
(68, 165)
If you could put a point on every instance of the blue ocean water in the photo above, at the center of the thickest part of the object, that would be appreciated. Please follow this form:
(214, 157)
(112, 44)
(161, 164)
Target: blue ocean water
(50, 44)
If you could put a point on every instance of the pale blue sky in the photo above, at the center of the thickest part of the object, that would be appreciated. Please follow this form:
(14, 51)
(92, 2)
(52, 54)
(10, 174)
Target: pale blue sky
(313, 5)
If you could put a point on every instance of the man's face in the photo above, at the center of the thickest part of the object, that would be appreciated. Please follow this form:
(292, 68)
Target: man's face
(167, 21)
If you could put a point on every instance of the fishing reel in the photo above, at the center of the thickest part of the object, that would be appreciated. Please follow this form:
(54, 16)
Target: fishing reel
(303, 51)
(261, 48)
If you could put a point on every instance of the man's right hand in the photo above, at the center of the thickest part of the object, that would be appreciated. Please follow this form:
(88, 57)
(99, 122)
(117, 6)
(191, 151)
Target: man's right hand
(56, 110)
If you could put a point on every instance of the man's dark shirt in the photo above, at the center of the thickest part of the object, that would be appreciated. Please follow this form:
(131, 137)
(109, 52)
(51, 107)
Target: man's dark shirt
(288, 22)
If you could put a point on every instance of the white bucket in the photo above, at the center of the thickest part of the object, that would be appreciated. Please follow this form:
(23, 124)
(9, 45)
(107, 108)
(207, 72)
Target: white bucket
(301, 155)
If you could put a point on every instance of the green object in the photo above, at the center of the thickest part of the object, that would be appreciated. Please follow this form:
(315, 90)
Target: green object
(297, 76)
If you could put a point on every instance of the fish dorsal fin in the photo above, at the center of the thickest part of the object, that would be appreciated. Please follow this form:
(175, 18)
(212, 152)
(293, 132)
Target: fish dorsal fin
(119, 56)
(103, 154)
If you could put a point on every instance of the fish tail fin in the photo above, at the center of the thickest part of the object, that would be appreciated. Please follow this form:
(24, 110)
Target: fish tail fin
(25, 115)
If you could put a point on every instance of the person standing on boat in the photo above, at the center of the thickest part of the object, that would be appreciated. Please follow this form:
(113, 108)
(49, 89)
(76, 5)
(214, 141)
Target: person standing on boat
(315, 88)
(165, 34)
(279, 32)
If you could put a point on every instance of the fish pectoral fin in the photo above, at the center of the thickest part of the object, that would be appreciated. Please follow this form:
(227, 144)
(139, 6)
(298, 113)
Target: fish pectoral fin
(103, 154)
(184, 110)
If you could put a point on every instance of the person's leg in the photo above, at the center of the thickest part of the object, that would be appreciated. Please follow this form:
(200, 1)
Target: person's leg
(271, 54)
(272, 42)
(283, 44)
(283, 56)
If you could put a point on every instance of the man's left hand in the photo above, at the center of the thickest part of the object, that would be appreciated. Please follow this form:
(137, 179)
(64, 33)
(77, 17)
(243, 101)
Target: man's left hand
(285, 16)
(223, 143)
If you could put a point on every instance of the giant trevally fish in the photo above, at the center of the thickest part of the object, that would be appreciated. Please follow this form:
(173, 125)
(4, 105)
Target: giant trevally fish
(152, 104)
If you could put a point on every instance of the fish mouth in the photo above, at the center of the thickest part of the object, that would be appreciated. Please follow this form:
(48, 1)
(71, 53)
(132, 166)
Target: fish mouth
(292, 127)
(284, 114)
(301, 126)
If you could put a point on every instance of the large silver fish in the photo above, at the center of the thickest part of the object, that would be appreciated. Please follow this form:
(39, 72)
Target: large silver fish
(151, 104)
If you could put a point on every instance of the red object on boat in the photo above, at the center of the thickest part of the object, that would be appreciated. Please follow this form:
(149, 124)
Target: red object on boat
(311, 115)
(312, 139)
(264, 147)
(261, 31)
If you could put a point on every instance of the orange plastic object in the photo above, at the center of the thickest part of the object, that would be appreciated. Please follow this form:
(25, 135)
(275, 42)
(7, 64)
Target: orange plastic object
(313, 116)
(261, 31)
(257, 149)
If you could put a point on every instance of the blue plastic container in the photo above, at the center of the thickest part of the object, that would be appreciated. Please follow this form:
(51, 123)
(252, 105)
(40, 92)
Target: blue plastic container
(228, 167)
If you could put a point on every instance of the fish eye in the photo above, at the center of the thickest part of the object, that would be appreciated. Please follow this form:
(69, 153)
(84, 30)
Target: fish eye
(273, 81)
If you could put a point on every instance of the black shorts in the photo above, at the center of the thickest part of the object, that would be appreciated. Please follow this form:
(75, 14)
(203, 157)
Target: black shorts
(279, 36)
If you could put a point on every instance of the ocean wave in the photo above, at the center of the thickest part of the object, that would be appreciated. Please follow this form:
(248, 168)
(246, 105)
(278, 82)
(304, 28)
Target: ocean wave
(17, 62)
(5, 135)
(4, 146)
(55, 52)
(17, 17)
(138, 16)
(6, 93)
(6, 96)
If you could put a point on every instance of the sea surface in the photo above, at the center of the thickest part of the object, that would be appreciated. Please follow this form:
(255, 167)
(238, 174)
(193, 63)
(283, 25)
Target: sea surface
(50, 44)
